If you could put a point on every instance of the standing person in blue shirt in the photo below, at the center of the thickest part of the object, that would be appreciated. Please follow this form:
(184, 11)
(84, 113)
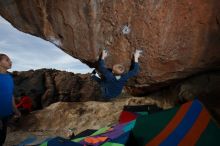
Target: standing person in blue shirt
(113, 81)
(7, 102)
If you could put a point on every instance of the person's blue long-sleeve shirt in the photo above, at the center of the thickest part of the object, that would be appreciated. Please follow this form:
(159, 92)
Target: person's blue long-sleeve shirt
(112, 87)
(6, 95)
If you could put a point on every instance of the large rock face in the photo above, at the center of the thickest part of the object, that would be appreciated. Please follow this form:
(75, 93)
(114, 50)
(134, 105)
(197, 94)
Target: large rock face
(179, 38)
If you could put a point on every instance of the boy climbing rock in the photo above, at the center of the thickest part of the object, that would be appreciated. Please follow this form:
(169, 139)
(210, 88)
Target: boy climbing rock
(112, 82)
(7, 102)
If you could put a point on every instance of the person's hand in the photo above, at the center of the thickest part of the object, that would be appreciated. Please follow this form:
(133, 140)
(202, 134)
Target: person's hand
(104, 54)
(17, 114)
(137, 54)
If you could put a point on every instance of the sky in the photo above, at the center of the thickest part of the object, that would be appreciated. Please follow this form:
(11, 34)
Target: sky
(30, 52)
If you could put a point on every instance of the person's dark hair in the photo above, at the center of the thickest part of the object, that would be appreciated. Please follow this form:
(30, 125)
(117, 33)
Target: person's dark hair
(2, 56)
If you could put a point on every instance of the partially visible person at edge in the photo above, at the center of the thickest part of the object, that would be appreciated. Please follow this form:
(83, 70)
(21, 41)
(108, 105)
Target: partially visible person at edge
(24, 104)
(113, 81)
(7, 102)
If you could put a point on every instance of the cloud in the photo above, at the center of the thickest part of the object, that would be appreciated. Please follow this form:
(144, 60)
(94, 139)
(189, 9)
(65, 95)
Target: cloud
(30, 52)
(3, 43)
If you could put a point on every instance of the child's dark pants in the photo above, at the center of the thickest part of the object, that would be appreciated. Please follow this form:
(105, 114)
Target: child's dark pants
(3, 130)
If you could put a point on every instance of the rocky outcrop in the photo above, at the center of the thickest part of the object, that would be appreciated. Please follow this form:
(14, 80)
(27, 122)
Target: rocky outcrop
(179, 38)
(47, 86)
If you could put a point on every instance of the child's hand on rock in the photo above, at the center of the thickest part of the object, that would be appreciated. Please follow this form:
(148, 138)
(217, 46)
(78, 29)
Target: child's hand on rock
(104, 54)
(17, 114)
(137, 54)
